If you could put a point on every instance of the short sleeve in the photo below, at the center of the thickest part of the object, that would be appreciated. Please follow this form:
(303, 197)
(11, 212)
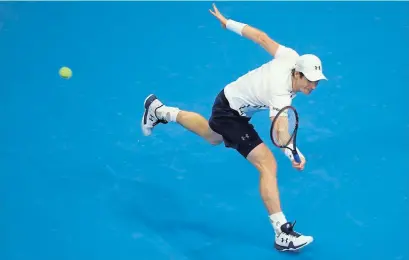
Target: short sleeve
(277, 103)
(285, 52)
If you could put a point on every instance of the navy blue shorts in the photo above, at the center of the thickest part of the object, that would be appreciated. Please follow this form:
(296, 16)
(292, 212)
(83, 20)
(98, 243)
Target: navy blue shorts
(236, 130)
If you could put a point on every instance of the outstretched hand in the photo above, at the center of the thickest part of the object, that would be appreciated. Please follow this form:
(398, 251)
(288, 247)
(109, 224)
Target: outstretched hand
(215, 12)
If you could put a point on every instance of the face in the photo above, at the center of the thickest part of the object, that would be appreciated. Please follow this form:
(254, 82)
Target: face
(305, 86)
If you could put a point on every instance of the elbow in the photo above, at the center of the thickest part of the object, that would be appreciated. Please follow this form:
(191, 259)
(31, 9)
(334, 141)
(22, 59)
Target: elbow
(262, 38)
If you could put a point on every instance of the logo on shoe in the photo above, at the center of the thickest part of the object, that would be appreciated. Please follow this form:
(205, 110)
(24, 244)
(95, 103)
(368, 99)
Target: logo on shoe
(286, 240)
(151, 117)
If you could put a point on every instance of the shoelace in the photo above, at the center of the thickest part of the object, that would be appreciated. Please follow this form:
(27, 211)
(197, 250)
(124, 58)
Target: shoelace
(163, 121)
(160, 121)
(291, 231)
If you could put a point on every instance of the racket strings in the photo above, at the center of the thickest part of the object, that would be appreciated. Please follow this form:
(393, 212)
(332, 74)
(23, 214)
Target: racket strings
(282, 135)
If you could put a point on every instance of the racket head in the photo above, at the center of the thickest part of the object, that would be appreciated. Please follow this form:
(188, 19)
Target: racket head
(291, 114)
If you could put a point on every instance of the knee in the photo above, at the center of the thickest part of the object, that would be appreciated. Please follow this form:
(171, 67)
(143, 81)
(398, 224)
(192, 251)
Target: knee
(263, 159)
(215, 142)
(213, 138)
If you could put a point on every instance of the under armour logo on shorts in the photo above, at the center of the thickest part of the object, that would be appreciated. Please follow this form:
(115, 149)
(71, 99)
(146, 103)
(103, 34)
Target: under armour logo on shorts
(245, 137)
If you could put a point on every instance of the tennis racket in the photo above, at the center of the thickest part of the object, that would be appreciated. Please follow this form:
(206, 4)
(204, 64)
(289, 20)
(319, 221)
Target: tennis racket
(286, 138)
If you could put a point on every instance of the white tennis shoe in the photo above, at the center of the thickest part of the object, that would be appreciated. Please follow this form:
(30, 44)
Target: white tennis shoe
(289, 240)
(150, 118)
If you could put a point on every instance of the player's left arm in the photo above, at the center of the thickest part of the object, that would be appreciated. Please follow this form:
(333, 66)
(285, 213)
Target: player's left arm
(258, 36)
(248, 31)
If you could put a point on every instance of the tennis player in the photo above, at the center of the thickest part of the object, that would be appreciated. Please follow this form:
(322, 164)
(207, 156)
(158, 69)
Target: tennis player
(269, 87)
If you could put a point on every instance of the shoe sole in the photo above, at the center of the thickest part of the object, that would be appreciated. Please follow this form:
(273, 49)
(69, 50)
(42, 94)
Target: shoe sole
(284, 249)
(148, 101)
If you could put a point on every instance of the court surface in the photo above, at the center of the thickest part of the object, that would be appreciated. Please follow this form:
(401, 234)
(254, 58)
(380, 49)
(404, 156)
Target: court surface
(79, 181)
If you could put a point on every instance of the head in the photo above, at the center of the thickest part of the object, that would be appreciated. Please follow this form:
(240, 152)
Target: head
(307, 73)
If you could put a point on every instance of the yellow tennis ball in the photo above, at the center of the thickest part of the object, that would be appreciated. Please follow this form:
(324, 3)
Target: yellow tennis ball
(65, 72)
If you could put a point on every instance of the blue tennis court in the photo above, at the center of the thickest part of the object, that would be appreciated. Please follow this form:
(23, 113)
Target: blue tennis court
(79, 181)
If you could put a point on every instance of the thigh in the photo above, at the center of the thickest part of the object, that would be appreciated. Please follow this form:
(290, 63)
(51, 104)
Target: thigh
(213, 137)
(237, 132)
(262, 158)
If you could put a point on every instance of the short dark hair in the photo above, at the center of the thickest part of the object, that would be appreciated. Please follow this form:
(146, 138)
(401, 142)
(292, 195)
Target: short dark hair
(293, 72)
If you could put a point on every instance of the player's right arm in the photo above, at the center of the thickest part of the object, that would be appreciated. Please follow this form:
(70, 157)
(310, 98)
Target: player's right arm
(282, 137)
(250, 32)
(282, 133)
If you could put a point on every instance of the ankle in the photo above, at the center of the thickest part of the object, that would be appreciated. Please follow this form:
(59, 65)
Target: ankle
(167, 113)
(277, 219)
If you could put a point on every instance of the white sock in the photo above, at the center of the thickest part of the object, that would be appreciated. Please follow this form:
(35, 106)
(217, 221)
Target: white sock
(277, 219)
(167, 113)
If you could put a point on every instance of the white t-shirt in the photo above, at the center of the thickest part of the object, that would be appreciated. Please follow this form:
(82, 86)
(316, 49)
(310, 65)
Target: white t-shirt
(267, 87)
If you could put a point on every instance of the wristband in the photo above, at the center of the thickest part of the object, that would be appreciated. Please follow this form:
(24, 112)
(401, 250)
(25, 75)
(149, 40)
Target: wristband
(289, 153)
(234, 26)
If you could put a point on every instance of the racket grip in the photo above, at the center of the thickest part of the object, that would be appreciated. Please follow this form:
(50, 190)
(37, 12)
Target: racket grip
(297, 158)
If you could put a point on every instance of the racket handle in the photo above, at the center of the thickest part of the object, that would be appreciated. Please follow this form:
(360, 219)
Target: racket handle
(297, 157)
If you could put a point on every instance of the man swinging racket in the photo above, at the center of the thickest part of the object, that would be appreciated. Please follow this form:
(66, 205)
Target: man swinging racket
(270, 87)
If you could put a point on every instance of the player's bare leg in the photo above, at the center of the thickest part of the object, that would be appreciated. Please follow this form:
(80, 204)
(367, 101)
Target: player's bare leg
(286, 238)
(262, 158)
(197, 124)
(156, 112)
